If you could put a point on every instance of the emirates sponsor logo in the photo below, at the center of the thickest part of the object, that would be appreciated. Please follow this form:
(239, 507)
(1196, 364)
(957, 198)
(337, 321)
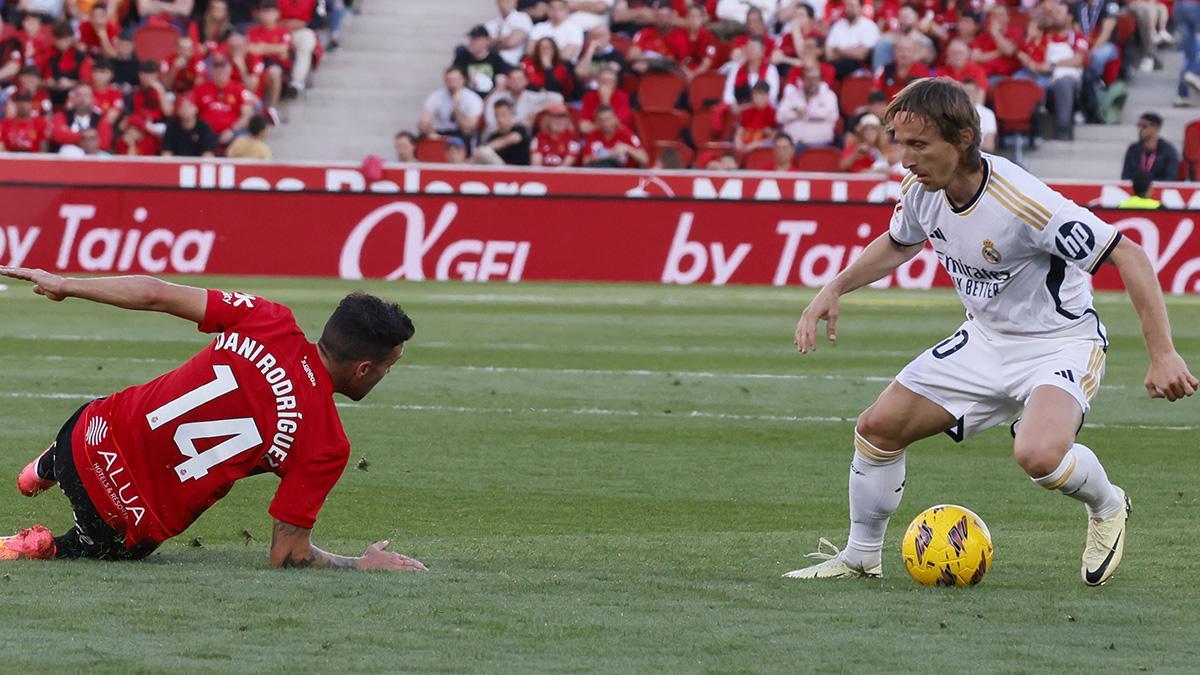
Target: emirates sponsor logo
(97, 431)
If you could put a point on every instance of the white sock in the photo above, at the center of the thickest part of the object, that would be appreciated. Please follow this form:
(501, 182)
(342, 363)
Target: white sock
(876, 487)
(1081, 476)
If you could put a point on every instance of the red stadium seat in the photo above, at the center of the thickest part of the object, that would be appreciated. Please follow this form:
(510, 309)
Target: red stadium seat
(824, 160)
(1126, 28)
(686, 154)
(660, 90)
(630, 83)
(155, 42)
(1191, 149)
(621, 43)
(709, 152)
(706, 90)
(855, 90)
(1016, 103)
(431, 150)
(759, 159)
(660, 125)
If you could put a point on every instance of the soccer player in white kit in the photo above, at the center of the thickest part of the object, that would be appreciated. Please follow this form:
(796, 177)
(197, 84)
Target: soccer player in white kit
(1020, 256)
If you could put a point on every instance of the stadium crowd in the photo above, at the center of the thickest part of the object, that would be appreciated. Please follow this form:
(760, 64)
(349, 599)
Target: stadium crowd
(773, 84)
(155, 77)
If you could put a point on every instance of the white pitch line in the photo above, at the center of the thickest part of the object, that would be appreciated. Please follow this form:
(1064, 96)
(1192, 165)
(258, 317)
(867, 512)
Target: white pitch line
(784, 347)
(603, 412)
(569, 372)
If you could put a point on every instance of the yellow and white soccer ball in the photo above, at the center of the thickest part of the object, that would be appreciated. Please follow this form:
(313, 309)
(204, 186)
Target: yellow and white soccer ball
(947, 545)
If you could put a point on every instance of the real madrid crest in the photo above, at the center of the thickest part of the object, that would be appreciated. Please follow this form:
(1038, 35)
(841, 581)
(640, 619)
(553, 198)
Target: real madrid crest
(990, 252)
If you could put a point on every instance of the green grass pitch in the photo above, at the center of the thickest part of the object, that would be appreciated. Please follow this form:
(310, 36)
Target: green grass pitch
(606, 478)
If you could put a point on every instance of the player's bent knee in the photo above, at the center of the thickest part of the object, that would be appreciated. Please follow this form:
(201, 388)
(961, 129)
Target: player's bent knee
(1039, 456)
(877, 432)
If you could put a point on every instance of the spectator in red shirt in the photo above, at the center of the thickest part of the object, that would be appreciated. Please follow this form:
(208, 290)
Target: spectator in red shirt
(995, 49)
(151, 102)
(783, 152)
(270, 46)
(295, 15)
(693, 46)
(546, 70)
(789, 53)
(557, 144)
(959, 66)
(213, 29)
(185, 68)
(756, 123)
(136, 138)
(247, 69)
(756, 27)
(226, 105)
(1054, 57)
(27, 47)
(66, 64)
(99, 34)
(29, 81)
(612, 144)
(651, 44)
(23, 131)
(108, 98)
(864, 151)
(81, 113)
(896, 75)
(166, 12)
(605, 93)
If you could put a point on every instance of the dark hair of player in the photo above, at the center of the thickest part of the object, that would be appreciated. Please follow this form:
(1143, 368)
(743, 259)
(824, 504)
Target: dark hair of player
(943, 103)
(365, 328)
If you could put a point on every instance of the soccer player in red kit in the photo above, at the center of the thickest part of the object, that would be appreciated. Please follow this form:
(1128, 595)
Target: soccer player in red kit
(141, 465)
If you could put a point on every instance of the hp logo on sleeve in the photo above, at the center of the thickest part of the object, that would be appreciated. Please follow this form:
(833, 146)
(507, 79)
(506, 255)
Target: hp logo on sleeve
(1075, 240)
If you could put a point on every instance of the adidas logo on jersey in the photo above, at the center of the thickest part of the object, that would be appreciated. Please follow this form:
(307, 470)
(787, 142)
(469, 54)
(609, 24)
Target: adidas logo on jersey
(937, 234)
(1066, 374)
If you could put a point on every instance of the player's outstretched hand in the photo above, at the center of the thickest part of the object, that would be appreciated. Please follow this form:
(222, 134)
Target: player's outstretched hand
(823, 307)
(1169, 378)
(44, 283)
(376, 558)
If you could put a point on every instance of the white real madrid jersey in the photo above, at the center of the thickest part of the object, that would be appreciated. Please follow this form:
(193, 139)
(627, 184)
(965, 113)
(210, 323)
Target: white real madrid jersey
(1020, 254)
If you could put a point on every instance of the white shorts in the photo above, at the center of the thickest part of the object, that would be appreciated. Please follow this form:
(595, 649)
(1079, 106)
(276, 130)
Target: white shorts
(983, 378)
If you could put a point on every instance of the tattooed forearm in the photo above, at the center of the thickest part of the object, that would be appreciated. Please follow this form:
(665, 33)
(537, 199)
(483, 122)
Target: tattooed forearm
(319, 559)
(291, 547)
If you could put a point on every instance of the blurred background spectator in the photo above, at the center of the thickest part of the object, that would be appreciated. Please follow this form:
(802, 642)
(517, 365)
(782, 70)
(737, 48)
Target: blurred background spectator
(1151, 155)
(1142, 186)
(254, 144)
(405, 144)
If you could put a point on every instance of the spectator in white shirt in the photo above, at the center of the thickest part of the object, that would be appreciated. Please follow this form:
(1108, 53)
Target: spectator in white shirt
(740, 80)
(851, 40)
(567, 36)
(809, 113)
(587, 14)
(452, 110)
(511, 31)
(526, 103)
(736, 10)
(987, 118)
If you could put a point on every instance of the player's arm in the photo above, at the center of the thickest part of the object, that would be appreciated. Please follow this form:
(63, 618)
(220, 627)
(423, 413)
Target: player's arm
(879, 259)
(1168, 376)
(291, 546)
(129, 292)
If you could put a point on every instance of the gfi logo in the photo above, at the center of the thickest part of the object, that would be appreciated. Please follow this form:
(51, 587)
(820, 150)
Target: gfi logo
(1075, 240)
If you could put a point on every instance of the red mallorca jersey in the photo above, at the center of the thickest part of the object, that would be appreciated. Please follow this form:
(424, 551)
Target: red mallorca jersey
(257, 400)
